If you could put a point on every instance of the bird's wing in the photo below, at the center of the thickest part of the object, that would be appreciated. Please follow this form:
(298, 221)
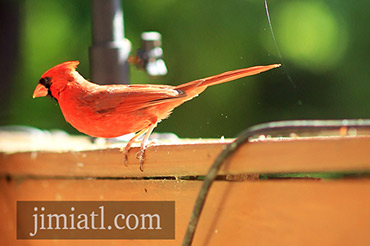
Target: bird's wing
(130, 98)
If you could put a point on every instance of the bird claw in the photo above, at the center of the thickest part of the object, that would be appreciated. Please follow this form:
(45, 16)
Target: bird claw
(125, 156)
(141, 156)
(125, 160)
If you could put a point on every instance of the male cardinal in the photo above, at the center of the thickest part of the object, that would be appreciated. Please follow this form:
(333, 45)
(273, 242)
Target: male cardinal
(114, 110)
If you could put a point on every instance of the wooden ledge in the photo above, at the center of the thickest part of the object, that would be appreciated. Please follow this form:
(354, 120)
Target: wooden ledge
(266, 212)
(193, 158)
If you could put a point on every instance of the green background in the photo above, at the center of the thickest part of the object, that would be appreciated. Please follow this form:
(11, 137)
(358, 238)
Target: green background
(324, 45)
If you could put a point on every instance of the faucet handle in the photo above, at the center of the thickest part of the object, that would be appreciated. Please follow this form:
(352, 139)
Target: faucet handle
(149, 56)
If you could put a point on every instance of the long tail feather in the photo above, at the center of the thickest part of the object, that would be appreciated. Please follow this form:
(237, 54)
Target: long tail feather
(225, 77)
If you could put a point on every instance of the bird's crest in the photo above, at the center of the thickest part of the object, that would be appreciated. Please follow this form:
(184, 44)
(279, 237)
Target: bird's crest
(69, 64)
(62, 68)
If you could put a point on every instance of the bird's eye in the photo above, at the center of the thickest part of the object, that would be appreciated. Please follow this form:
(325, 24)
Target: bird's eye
(46, 81)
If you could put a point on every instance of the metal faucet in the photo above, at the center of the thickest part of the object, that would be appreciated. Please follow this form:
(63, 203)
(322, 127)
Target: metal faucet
(110, 51)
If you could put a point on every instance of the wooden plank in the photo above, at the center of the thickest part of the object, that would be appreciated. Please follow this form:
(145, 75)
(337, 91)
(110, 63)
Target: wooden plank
(315, 154)
(244, 213)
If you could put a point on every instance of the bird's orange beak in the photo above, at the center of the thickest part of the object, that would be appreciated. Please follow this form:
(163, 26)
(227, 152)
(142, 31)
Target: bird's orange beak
(40, 91)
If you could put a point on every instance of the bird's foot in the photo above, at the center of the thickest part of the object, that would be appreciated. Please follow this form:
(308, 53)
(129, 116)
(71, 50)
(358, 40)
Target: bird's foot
(141, 156)
(125, 155)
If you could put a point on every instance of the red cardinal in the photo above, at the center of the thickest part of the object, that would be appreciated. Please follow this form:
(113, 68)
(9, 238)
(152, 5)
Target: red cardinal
(114, 110)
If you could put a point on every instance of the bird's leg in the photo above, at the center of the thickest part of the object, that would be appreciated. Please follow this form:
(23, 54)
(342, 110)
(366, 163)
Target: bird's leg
(141, 153)
(128, 145)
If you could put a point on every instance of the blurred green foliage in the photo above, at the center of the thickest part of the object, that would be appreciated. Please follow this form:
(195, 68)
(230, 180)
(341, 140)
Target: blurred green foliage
(324, 46)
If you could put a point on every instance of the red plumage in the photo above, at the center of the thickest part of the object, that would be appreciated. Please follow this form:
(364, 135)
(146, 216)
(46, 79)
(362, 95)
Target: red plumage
(113, 110)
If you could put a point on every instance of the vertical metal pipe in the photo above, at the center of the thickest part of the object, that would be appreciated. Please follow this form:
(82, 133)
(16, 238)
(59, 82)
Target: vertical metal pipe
(110, 50)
